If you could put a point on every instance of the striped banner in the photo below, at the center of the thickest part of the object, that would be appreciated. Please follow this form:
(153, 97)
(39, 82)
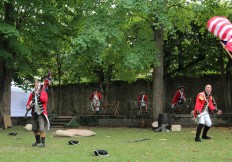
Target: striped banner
(222, 28)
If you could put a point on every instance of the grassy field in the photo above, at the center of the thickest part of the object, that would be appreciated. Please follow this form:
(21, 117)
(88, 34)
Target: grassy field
(119, 142)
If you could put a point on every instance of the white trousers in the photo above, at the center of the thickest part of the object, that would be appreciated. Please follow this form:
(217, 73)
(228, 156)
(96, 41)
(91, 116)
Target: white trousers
(204, 118)
(95, 104)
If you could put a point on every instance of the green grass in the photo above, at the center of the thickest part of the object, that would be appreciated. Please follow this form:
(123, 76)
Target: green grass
(162, 147)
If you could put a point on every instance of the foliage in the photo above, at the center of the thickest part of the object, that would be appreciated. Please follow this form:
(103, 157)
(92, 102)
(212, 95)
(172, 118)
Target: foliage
(110, 38)
(40, 29)
(194, 51)
(113, 43)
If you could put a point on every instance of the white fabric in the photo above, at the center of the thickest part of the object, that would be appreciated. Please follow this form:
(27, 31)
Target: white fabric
(37, 108)
(18, 102)
(28, 127)
(181, 94)
(63, 133)
(74, 132)
(96, 102)
(47, 123)
(142, 102)
(204, 118)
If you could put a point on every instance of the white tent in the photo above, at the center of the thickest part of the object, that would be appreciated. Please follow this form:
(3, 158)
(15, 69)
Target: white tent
(18, 102)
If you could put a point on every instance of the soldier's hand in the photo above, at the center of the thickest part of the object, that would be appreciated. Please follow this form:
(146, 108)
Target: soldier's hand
(28, 107)
(198, 117)
(219, 112)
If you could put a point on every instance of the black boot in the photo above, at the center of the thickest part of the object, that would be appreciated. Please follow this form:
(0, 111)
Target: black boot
(204, 135)
(199, 128)
(43, 142)
(37, 137)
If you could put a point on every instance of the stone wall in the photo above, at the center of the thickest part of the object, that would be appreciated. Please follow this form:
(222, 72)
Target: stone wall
(74, 99)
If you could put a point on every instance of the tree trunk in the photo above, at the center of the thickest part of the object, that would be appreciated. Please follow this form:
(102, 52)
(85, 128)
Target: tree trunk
(5, 91)
(157, 93)
(228, 93)
(59, 91)
(225, 76)
(59, 68)
(6, 72)
(105, 79)
(228, 86)
(52, 100)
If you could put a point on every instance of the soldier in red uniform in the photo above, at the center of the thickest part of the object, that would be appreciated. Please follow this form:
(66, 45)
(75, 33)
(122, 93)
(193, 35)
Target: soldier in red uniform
(179, 99)
(143, 102)
(95, 99)
(204, 104)
(37, 102)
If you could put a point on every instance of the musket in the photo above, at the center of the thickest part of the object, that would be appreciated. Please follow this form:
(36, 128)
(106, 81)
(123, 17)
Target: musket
(189, 105)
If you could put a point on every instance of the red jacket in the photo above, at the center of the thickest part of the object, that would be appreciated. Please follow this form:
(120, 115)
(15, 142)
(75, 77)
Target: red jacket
(200, 102)
(177, 97)
(145, 99)
(43, 98)
(98, 94)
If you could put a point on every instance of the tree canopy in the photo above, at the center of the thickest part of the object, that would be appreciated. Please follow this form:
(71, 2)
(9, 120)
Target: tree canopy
(101, 41)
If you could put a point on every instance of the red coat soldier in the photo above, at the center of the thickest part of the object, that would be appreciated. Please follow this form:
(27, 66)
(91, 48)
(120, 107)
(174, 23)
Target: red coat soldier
(95, 99)
(38, 103)
(204, 104)
(179, 98)
(143, 101)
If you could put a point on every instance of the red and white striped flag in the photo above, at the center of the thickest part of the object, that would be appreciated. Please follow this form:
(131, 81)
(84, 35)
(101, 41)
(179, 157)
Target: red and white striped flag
(222, 28)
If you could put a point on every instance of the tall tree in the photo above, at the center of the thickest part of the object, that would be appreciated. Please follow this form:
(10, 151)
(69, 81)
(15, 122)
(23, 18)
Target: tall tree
(194, 51)
(160, 17)
(29, 32)
(110, 46)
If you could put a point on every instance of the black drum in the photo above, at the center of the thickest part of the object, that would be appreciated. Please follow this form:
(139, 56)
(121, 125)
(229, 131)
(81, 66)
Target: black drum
(164, 118)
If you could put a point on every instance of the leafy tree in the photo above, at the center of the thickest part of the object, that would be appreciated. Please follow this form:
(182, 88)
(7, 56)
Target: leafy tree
(30, 33)
(110, 45)
(160, 17)
(195, 51)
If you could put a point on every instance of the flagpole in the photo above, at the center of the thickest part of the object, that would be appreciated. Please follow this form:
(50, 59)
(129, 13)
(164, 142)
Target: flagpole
(228, 52)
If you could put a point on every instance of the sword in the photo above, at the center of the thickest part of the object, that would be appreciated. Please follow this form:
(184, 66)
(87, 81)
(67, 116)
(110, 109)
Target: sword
(26, 113)
(27, 110)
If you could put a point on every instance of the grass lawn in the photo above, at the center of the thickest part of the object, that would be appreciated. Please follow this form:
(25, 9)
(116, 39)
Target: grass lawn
(166, 147)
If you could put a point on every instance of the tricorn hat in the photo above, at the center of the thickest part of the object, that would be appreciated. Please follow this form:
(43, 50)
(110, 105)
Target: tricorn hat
(95, 89)
(73, 142)
(181, 87)
(100, 153)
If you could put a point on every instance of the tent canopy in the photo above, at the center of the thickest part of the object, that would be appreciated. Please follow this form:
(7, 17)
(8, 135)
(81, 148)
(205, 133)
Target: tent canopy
(18, 102)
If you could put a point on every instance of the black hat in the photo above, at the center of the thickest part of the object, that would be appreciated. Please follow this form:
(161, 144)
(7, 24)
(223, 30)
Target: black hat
(95, 89)
(142, 93)
(101, 153)
(13, 134)
(181, 87)
(72, 142)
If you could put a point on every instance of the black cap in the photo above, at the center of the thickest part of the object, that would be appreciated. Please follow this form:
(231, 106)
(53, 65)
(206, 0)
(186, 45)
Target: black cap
(72, 142)
(100, 153)
(13, 134)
